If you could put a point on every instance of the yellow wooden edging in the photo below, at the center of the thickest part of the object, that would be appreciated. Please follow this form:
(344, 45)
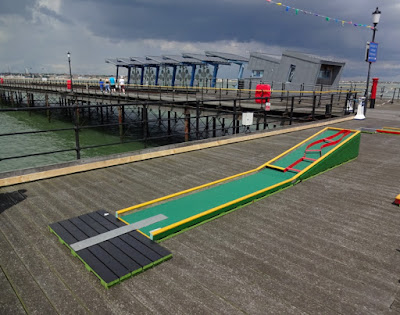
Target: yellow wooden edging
(199, 215)
(123, 221)
(181, 192)
(204, 213)
(267, 164)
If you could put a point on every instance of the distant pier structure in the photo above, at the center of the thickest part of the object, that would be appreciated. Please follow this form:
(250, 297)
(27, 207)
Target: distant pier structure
(177, 98)
(187, 69)
(152, 115)
(294, 70)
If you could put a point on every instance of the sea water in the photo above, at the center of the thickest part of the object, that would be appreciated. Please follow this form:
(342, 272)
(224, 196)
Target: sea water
(25, 144)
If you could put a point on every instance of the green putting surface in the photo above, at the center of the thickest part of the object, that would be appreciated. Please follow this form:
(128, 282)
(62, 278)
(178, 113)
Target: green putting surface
(193, 208)
(195, 203)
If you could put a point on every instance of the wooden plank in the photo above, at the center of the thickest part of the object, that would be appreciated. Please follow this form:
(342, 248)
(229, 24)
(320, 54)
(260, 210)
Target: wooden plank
(96, 238)
(10, 303)
(93, 223)
(73, 230)
(143, 249)
(63, 233)
(150, 244)
(131, 252)
(32, 279)
(98, 266)
(120, 256)
(102, 221)
(82, 226)
(110, 218)
(108, 261)
(145, 156)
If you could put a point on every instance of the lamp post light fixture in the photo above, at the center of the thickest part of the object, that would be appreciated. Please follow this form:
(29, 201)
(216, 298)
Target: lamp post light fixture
(70, 73)
(376, 15)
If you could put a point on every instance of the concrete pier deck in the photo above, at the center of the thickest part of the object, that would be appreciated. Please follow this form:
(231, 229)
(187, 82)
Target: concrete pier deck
(330, 245)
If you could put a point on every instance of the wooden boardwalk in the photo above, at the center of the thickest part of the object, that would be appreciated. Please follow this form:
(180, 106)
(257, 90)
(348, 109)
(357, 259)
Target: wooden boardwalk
(330, 245)
(210, 98)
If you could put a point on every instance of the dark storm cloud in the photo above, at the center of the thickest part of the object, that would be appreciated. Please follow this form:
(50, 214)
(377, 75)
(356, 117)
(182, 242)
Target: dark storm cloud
(121, 24)
(170, 20)
(207, 21)
(245, 22)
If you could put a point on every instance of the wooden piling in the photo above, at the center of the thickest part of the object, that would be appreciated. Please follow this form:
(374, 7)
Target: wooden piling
(169, 123)
(214, 121)
(187, 124)
(120, 125)
(197, 120)
(207, 127)
(48, 112)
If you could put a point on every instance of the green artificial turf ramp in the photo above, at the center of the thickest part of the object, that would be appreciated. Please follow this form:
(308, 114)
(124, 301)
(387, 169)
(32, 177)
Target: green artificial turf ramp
(193, 208)
(195, 203)
(298, 153)
(342, 154)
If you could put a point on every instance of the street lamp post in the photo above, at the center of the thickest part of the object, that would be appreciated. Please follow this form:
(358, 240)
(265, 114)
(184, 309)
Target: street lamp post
(70, 73)
(375, 20)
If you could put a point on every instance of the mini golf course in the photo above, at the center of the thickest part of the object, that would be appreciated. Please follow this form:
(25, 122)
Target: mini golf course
(116, 248)
(324, 150)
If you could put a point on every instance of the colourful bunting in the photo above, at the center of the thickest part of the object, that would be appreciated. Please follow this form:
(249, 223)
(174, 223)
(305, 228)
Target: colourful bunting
(287, 8)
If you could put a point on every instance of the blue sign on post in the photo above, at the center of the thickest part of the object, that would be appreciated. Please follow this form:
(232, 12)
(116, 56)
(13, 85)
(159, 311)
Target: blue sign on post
(373, 52)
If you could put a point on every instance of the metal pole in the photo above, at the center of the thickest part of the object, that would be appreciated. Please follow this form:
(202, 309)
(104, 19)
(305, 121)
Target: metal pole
(291, 110)
(346, 107)
(70, 73)
(197, 120)
(234, 118)
(76, 129)
(314, 103)
(394, 94)
(214, 121)
(187, 124)
(369, 70)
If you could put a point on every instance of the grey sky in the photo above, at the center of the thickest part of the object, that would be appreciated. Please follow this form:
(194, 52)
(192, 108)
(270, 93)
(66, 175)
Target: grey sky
(36, 34)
